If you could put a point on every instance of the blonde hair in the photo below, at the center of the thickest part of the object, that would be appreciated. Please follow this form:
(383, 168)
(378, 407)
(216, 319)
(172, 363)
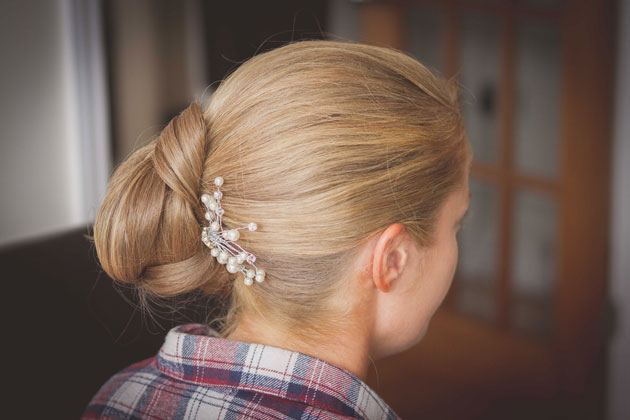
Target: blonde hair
(323, 144)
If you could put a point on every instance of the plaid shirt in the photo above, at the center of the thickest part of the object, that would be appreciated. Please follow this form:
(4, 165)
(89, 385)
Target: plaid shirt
(199, 375)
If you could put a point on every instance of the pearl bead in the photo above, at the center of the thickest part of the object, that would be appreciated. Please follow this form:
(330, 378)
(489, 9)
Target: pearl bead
(233, 235)
(210, 236)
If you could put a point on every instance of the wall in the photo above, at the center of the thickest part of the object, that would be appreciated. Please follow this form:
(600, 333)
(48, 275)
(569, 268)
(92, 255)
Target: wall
(619, 362)
(55, 144)
(53, 140)
(157, 66)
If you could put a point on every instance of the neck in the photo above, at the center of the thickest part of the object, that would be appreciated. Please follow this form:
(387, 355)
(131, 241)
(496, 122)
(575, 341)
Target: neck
(347, 349)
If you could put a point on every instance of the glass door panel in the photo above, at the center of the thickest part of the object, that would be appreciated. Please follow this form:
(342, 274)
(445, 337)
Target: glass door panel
(534, 258)
(425, 23)
(479, 67)
(478, 252)
(537, 98)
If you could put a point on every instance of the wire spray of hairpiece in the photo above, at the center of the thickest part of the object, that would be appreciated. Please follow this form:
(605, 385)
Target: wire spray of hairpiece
(222, 243)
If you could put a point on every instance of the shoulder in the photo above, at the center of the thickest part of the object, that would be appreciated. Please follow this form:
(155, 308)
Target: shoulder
(119, 395)
(142, 391)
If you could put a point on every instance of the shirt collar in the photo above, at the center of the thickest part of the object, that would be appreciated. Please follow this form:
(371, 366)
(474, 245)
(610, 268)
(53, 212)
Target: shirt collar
(196, 354)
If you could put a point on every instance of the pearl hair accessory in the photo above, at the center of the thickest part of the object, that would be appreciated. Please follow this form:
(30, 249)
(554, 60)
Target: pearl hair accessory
(222, 242)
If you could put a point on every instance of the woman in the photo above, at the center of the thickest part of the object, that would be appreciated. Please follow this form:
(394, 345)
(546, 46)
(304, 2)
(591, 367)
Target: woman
(321, 191)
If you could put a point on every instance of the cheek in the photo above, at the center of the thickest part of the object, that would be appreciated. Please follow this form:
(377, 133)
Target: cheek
(451, 266)
(455, 254)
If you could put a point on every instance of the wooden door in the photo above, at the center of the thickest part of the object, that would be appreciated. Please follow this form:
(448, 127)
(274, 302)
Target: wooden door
(520, 334)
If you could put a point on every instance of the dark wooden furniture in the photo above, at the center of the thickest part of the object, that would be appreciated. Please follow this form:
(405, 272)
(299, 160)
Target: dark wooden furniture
(70, 326)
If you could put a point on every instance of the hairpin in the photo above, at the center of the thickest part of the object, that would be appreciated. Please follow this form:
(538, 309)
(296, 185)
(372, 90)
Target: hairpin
(222, 243)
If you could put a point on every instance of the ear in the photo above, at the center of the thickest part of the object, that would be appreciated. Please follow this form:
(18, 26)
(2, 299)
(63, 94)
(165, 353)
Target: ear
(389, 258)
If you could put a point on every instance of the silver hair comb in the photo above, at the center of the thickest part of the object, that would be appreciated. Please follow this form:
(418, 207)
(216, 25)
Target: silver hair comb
(222, 243)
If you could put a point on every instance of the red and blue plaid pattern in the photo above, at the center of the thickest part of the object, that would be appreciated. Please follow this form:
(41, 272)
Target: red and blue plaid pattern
(199, 375)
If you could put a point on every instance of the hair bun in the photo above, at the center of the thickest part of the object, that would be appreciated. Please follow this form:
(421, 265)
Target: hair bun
(180, 153)
(147, 229)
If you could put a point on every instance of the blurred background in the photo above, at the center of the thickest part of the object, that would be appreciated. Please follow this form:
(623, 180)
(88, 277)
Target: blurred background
(537, 323)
